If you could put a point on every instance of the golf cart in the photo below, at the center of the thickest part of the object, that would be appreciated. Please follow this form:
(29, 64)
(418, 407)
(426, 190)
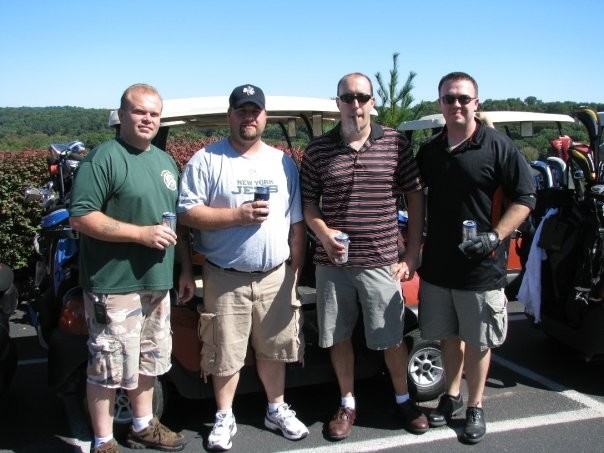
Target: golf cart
(425, 371)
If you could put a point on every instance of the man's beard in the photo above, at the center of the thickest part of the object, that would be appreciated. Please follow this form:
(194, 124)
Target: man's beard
(248, 134)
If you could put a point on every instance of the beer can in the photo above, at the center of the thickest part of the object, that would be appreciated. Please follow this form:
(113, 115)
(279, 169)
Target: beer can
(261, 193)
(169, 219)
(468, 230)
(343, 239)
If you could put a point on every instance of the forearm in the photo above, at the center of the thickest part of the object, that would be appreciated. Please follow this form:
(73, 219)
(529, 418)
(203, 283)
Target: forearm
(203, 217)
(314, 220)
(415, 225)
(100, 226)
(514, 215)
(297, 244)
(183, 249)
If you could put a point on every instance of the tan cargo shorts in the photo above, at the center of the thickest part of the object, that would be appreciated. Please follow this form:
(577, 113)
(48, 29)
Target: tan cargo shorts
(245, 307)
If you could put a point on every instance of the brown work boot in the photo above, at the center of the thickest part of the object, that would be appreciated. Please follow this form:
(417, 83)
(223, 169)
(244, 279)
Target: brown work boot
(340, 425)
(107, 447)
(413, 419)
(156, 436)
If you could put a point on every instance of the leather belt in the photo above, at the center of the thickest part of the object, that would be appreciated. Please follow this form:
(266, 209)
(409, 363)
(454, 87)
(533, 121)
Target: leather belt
(232, 269)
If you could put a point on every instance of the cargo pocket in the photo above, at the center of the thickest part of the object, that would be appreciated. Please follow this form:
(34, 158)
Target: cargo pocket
(208, 342)
(106, 362)
(497, 325)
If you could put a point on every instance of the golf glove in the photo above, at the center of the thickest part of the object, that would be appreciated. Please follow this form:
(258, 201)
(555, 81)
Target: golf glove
(481, 246)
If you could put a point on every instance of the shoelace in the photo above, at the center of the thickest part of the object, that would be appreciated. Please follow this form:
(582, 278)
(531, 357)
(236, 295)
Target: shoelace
(285, 412)
(221, 422)
(343, 414)
(475, 414)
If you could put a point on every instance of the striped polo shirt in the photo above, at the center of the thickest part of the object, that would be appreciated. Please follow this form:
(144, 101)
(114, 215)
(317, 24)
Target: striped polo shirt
(357, 191)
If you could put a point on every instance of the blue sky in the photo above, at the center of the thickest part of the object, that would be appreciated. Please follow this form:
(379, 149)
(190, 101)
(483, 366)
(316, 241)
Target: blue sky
(86, 52)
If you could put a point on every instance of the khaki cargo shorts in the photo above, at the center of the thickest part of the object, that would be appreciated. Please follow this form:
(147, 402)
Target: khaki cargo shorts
(242, 307)
(135, 339)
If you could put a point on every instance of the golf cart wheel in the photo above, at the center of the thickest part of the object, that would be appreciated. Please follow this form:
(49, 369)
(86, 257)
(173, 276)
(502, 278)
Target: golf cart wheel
(425, 370)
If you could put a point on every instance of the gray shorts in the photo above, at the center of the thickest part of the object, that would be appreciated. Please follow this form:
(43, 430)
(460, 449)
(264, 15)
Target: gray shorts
(241, 308)
(137, 339)
(478, 317)
(340, 290)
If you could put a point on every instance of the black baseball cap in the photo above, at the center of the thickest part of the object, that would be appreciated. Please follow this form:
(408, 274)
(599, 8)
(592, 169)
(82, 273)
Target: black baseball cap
(244, 94)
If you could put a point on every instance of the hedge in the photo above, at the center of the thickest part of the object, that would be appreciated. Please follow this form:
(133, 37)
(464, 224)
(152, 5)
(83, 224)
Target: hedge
(19, 221)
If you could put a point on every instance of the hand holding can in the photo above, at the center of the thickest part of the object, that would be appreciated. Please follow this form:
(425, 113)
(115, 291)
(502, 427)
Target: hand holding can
(342, 238)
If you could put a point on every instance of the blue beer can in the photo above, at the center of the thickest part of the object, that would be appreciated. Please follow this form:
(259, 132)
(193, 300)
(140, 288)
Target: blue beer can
(262, 193)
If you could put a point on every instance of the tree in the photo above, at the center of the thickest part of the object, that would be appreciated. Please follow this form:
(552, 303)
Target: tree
(396, 103)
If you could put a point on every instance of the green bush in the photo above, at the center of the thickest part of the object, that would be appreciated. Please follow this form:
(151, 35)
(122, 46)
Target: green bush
(19, 221)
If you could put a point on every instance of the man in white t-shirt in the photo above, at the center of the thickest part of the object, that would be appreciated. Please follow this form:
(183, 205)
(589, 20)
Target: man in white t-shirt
(254, 252)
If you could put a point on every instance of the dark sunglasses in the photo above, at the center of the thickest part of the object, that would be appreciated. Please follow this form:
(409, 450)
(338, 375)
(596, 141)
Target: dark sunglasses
(349, 98)
(463, 99)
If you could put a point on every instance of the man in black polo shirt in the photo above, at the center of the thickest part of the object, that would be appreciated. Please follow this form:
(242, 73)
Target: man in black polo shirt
(351, 179)
(468, 169)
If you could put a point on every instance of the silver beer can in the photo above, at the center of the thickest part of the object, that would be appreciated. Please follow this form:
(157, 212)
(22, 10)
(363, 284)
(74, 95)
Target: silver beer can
(343, 239)
(169, 219)
(468, 230)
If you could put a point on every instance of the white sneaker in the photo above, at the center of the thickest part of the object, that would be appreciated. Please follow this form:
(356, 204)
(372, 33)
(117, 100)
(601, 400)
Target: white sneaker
(223, 431)
(285, 420)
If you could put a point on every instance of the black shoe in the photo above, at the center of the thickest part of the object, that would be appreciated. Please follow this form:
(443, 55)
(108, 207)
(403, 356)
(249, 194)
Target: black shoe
(448, 406)
(476, 427)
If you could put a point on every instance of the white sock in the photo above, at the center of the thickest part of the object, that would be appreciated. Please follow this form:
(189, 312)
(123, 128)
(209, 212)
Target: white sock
(226, 412)
(272, 407)
(98, 441)
(348, 401)
(140, 423)
(400, 399)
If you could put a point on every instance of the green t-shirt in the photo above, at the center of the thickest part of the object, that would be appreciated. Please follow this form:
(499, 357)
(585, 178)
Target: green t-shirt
(136, 187)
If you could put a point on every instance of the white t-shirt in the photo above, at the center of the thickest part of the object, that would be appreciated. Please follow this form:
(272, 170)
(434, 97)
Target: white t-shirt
(218, 176)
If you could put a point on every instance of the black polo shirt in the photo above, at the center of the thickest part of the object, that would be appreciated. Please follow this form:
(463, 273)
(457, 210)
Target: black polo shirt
(462, 185)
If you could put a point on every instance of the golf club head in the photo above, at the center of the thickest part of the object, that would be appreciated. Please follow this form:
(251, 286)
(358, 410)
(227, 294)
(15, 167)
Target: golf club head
(582, 155)
(560, 146)
(545, 172)
(558, 169)
(590, 120)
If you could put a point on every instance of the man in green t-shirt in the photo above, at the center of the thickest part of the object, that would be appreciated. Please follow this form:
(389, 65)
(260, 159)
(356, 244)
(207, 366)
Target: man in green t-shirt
(120, 192)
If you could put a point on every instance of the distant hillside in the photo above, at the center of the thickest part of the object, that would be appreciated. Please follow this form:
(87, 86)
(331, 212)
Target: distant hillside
(36, 127)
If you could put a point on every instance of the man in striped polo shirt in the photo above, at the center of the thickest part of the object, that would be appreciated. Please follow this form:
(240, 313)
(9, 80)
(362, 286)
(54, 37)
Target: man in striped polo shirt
(352, 177)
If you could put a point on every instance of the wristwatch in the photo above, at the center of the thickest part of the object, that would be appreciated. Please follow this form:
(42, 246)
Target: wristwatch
(493, 236)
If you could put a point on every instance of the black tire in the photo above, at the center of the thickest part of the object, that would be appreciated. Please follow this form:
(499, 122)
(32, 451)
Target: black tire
(425, 370)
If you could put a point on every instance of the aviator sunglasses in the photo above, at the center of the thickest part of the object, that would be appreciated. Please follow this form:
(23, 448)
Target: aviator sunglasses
(349, 98)
(463, 99)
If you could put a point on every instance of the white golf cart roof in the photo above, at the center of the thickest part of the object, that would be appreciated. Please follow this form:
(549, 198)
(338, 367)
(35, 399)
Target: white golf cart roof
(211, 111)
(525, 119)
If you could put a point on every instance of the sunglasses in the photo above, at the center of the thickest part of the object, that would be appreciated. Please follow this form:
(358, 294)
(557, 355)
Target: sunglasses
(349, 98)
(463, 99)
